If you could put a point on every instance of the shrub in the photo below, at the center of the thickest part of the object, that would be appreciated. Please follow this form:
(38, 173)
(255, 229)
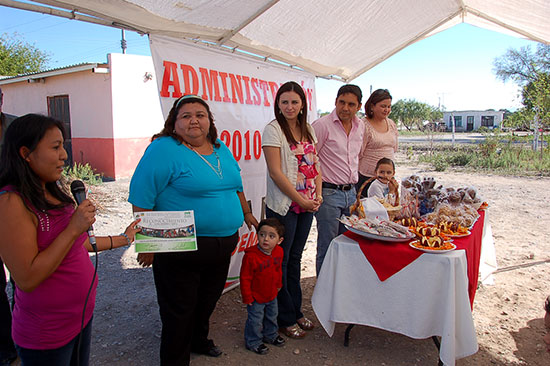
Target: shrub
(460, 158)
(439, 162)
(483, 129)
(83, 172)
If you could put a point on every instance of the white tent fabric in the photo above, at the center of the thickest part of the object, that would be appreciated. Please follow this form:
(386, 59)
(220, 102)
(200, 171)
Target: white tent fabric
(329, 38)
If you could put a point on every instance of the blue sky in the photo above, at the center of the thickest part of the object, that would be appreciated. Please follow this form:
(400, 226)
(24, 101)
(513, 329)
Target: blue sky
(453, 68)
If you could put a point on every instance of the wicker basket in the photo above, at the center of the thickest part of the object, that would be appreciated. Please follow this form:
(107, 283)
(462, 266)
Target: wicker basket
(358, 209)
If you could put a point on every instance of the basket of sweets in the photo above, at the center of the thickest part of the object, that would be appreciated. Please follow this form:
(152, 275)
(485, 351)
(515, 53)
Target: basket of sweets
(392, 209)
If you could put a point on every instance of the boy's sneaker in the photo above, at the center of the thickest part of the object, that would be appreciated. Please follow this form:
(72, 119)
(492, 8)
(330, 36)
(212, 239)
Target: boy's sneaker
(278, 341)
(261, 349)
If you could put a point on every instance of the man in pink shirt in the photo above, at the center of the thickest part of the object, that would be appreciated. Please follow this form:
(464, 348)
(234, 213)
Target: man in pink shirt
(340, 136)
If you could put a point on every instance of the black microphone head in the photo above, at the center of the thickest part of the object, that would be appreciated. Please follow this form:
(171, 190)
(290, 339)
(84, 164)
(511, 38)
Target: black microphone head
(79, 191)
(77, 185)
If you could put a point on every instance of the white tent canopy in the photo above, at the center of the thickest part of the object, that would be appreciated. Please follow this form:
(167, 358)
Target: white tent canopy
(329, 38)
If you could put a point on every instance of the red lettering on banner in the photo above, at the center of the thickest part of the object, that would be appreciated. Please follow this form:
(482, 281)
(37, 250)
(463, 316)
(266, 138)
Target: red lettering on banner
(252, 239)
(243, 242)
(247, 155)
(242, 90)
(247, 88)
(258, 96)
(170, 78)
(274, 87)
(310, 98)
(246, 241)
(223, 76)
(210, 81)
(190, 73)
(236, 143)
(236, 88)
(264, 85)
(225, 136)
(257, 144)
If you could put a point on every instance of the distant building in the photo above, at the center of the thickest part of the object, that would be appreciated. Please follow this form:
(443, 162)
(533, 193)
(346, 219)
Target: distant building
(110, 110)
(472, 120)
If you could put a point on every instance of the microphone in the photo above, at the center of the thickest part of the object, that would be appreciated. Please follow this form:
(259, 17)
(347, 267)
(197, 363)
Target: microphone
(79, 192)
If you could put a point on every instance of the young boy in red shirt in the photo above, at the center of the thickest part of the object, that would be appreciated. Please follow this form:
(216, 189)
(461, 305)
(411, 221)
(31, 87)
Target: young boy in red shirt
(261, 280)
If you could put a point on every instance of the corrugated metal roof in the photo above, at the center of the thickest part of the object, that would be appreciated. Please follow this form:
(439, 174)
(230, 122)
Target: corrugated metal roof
(52, 72)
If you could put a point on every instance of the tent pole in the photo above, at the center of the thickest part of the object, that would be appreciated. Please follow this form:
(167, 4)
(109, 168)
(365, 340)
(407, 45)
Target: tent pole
(65, 14)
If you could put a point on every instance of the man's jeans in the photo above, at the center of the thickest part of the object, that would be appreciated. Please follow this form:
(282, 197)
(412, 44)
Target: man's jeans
(335, 204)
(261, 323)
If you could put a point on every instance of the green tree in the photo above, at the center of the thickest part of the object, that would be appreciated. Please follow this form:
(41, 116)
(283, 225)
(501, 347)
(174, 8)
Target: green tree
(518, 120)
(18, 57)
(536, 97)
(531, 71)
(411, 113)
(522, 66)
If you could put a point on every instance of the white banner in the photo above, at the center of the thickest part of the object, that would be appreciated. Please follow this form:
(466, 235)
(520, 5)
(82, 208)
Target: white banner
(240, 92)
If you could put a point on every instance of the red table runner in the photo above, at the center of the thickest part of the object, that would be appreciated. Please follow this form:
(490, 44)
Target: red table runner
(387, 258)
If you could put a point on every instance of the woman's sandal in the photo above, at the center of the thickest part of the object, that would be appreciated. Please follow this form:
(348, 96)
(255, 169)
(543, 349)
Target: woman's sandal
(305, 323)
(293, 331)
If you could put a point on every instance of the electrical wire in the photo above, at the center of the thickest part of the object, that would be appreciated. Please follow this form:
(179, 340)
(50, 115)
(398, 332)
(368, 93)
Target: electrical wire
(84, 310)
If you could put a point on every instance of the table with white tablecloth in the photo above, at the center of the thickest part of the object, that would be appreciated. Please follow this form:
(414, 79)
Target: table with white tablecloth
(429, 297)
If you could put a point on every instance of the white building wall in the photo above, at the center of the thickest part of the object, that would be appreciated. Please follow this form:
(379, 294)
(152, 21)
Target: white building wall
(89, 100)
(498, 117)
(137, 112)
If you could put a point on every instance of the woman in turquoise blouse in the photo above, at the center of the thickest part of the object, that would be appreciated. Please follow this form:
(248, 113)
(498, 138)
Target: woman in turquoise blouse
(186, 167)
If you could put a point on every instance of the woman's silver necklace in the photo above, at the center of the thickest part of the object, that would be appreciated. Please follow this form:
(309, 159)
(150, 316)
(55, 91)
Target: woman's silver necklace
(218, 169)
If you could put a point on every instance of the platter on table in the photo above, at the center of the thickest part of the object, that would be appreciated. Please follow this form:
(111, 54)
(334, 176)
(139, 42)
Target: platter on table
(416, 245)
(459, 235)
(377, 237)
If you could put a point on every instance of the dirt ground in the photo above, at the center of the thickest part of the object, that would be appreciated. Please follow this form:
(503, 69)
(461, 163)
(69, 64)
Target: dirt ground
(507, 315)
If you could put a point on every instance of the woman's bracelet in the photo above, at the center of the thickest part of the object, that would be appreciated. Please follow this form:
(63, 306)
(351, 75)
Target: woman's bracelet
(111, 239)
(127, 238)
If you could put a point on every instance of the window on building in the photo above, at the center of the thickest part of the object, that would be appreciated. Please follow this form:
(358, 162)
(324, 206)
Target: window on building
(58, 108)
(458, 121)
(487, 121)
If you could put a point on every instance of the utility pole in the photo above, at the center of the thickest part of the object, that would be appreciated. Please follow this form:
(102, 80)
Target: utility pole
(123, 43)
(536, 130)
(454, 124)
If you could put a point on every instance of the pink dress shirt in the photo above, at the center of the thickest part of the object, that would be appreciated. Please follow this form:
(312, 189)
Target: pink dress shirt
(338, 152)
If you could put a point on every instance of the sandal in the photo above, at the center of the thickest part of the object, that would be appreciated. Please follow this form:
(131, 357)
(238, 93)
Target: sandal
(294, 331)
(305, 323)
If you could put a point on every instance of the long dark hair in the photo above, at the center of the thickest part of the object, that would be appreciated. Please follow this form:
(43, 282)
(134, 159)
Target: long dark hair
(27, 131)
(377, 96)
(302, 116)
(170, 122)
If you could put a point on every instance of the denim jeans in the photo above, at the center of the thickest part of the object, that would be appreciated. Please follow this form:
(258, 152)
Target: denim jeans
(261, 323)
(335, 204)
(62, 356)
(297, 228)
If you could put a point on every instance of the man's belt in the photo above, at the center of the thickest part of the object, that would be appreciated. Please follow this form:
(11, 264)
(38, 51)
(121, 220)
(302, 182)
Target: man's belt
(340, 187)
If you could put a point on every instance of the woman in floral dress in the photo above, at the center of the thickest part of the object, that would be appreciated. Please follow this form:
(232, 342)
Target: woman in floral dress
(292, 196)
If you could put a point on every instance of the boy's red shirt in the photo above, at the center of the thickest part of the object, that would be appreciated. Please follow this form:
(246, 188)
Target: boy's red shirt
(261, 274)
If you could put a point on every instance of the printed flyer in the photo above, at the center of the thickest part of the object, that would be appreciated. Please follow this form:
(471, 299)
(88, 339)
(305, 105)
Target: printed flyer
(166, 231)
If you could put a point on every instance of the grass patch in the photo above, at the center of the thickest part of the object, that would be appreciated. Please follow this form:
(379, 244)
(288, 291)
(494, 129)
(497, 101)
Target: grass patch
(496, 154)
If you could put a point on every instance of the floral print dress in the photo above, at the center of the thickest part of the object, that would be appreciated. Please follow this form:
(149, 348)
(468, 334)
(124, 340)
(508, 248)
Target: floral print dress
(308, 164)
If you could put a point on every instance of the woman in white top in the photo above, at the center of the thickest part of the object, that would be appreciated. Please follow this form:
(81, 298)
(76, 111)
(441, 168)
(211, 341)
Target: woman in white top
(380, 138)
(292, 196)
